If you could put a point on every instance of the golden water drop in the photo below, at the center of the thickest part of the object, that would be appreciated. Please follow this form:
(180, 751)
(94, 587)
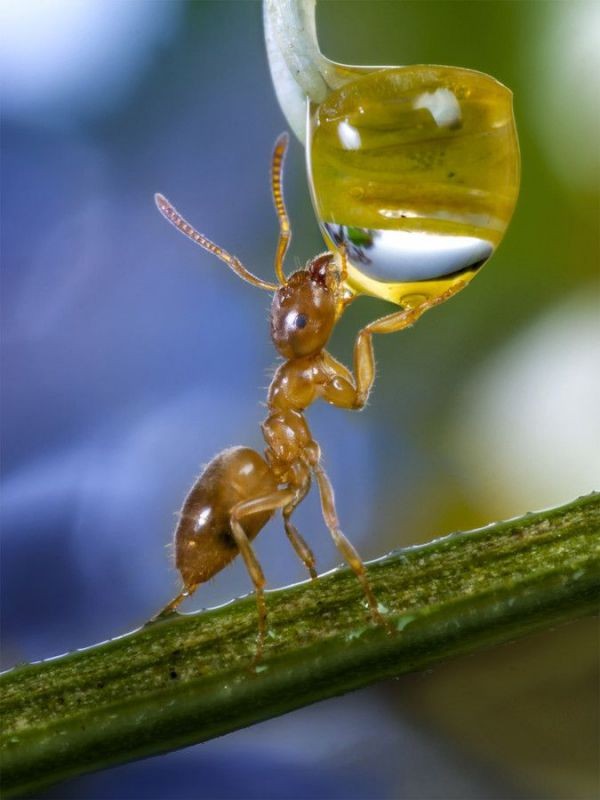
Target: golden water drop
(415, 171)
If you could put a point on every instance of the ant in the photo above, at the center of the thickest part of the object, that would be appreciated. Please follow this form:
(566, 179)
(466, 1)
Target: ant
(240, 490)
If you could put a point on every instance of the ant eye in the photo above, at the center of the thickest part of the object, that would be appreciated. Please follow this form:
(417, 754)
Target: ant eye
(301, 321)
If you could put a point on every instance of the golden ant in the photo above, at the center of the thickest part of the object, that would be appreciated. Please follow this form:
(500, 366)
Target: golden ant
(239, 490)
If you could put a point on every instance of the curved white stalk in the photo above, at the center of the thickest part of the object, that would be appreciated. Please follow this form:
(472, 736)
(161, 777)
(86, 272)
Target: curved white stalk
(299, 70)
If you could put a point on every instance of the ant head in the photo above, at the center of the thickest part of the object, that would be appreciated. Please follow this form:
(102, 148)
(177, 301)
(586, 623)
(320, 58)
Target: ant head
(305, 308)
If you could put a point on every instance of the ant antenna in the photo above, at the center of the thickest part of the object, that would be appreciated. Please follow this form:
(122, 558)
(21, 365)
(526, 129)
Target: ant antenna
(170, 213)
(285, 232)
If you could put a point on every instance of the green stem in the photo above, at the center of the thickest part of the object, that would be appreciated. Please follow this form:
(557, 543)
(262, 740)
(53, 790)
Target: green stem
(189, 678)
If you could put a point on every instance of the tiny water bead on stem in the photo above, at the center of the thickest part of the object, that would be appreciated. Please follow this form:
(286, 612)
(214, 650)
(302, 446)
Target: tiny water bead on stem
(415, 171)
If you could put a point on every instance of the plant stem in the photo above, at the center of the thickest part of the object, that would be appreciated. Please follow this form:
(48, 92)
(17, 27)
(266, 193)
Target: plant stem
(299, 71)
(189, 678)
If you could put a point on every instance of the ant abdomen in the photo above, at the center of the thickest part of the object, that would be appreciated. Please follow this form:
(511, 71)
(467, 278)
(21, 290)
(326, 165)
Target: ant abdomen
(204, 542)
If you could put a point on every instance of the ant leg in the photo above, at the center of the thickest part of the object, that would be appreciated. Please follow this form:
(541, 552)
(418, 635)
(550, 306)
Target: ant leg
(260, 504)
(343, 545)
(347, 390)
(285, 231)
(303, 551)
(186, 592)
(364, 358)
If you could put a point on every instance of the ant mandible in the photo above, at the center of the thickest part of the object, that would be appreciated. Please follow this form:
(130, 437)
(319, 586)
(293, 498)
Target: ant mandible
(240, 490)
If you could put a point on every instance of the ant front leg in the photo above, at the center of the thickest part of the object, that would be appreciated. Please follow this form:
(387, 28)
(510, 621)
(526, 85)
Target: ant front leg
(268, 502)
(343, 389)
(364, 357)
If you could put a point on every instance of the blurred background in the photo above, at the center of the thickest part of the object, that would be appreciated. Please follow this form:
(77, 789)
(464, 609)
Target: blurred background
(130, 357)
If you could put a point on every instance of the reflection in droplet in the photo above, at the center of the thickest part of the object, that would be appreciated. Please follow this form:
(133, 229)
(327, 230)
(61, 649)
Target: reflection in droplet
(398, 255)
(349, 136)
(415, 171)
(443, 105)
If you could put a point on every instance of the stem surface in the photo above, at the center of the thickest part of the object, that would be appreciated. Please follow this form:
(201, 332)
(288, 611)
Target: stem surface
(189, 678)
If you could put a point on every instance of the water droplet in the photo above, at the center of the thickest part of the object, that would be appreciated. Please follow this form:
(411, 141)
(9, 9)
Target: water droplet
(415, 171)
